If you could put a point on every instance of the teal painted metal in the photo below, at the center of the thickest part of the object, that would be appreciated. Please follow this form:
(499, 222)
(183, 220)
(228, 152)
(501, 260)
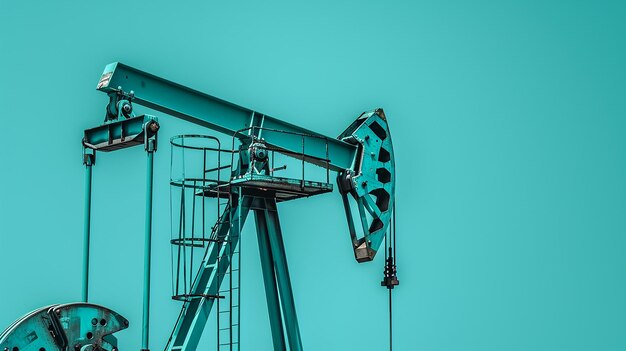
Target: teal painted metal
(371, 182)
(88, 160)
(78, 326)
(281, 306)
(284, 188)
(269, 281)
(117, 134)
(145, 330)
(121, 133)
(196, 310)
(203, 109)
(270, 229)
(363, 153)
(363, 157)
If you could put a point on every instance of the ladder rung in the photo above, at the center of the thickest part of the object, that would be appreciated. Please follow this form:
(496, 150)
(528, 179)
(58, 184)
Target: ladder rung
(230, 270)
(227, 311)
(234, 325)
(189, 297)
(230, 343)
(225, 291)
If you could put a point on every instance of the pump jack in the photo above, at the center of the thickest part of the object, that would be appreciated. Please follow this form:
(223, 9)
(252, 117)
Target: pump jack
(362, 156)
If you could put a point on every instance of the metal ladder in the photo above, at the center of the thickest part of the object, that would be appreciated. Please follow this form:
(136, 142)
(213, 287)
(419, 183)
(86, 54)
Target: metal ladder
(229, 280)
(228, 312)
(217, 279)
(208, 284)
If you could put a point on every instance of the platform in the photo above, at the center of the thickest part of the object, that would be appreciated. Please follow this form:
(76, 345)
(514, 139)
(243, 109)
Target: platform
(280, 188)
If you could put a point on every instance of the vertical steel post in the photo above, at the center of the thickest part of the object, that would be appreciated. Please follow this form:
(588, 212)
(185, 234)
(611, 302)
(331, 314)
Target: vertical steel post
(89, 159)
(145, 331)
(282, 276)
(269, 280)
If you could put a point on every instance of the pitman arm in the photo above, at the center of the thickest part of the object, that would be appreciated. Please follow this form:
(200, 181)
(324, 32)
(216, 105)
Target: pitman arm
(362, 155)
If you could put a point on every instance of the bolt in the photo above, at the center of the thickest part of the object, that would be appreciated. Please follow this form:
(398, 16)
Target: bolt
(364, 184)
(154, 127)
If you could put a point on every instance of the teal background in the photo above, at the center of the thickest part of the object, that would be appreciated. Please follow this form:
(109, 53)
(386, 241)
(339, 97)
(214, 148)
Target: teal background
(508, 124)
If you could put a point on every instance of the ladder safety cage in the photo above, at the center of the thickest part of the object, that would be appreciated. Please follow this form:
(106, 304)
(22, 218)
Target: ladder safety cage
(198, 242)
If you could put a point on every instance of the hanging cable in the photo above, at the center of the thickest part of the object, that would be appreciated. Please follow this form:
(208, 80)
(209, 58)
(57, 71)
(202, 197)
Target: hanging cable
(390, 279)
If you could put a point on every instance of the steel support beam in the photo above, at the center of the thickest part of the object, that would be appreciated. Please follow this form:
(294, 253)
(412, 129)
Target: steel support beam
(287, 303)
(269, 280)
(206, 110)
(281, 307)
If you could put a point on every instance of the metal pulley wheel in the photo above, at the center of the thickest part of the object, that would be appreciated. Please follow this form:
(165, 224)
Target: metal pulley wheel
(66, 327)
